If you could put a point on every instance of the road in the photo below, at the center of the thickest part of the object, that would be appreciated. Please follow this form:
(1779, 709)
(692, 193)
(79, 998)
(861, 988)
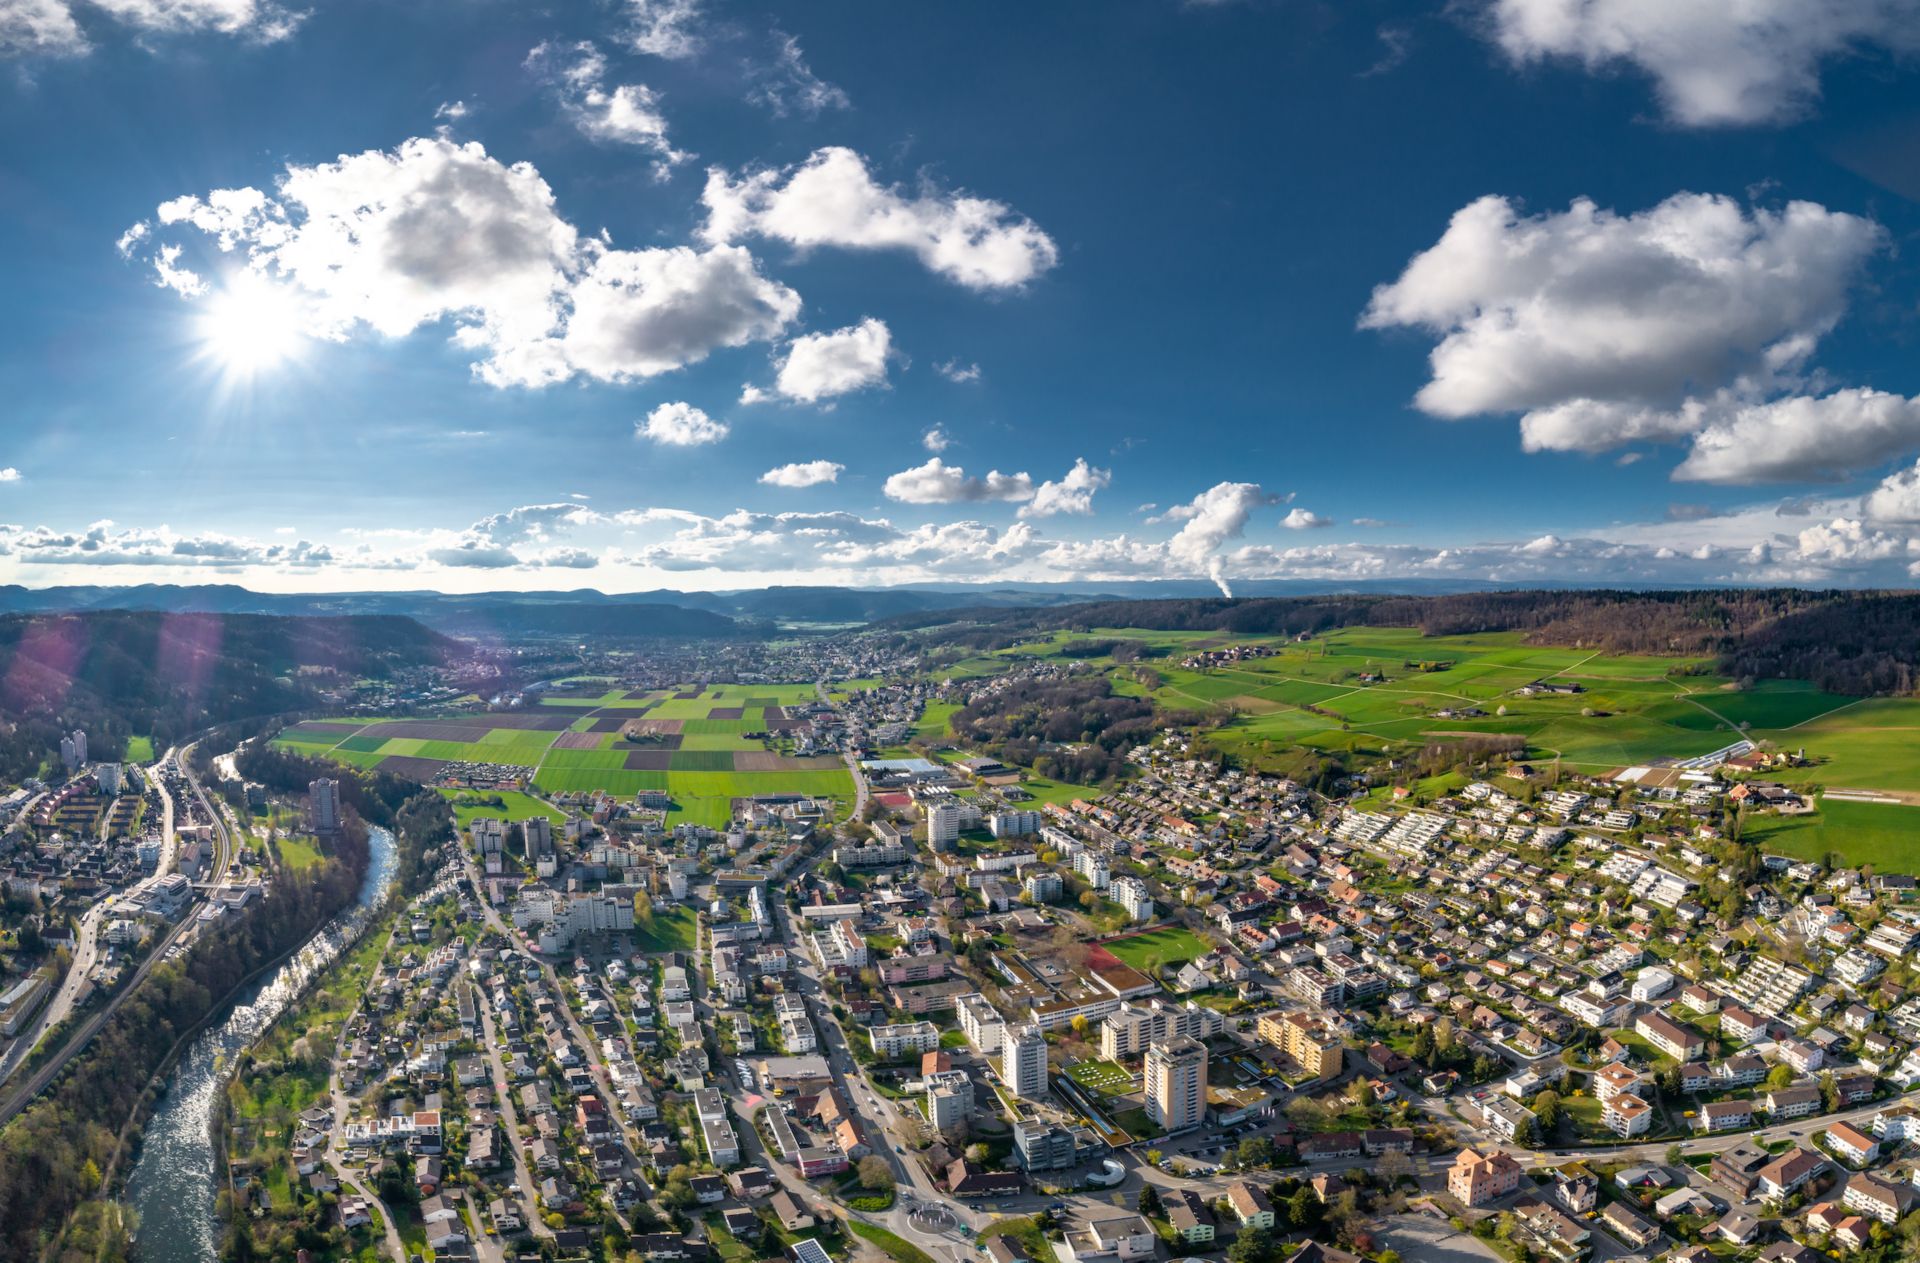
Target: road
(510, 1116)
(83, 1034)
(589, 1047)
(86, 951)
(853, 764)
(336, 1138)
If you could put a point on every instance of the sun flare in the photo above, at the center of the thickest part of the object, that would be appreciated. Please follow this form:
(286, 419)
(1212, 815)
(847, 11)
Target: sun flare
(251, 326)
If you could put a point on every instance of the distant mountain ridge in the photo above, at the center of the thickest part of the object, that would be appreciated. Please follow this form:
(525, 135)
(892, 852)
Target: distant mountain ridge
(509, 612)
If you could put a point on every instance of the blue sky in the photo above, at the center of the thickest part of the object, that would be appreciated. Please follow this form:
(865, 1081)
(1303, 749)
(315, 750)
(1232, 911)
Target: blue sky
(467, 294)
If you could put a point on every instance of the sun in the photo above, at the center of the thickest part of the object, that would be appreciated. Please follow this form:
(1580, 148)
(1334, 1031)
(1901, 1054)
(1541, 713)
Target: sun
(251, 326)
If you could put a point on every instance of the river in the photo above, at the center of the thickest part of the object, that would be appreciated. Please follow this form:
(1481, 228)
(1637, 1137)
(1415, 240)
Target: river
(173, 1182)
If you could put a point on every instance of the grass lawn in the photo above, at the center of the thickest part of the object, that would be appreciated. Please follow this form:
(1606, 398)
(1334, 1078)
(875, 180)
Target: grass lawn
(298, 853)
(1168, 945)
(1023, 1230)
(468, 807)
(139, 750)
(900, 1249)
(673, 930)
(932, 724)
(725, 1244)
(1101, 1076)
(1879, 834)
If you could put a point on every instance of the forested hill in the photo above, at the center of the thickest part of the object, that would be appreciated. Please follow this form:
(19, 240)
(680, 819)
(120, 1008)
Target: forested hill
(1854, 642)
(118, 672)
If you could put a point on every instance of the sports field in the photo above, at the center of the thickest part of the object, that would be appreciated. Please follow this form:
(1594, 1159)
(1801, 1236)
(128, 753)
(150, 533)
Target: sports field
(691, 744)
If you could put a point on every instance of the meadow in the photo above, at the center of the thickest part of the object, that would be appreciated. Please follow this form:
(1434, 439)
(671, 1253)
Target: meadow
(1885, 835)
(1375, 691)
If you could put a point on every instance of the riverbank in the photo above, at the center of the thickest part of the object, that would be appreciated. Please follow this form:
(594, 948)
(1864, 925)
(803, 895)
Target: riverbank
(287, 1071)
(173, 1186)
(53, 1156)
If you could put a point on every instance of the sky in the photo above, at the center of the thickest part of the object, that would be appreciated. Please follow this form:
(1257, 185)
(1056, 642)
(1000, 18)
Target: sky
(473, 295)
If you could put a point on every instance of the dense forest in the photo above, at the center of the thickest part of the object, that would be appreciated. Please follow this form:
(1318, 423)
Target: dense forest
(1860, 643)
(1074, 730)
(116, 673)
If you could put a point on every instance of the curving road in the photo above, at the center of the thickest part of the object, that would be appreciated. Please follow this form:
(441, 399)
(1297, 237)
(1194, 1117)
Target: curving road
(83, 1034)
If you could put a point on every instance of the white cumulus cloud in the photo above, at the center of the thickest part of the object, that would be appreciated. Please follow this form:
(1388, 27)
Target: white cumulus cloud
(810, 473)
(50, 28)
(1072, 493)
(1803, 438)
(833, 200)
(1304, 520)
(822, 365)
(680, 425)
(1713, 62)
(1599, 326)
(627, 113)
(392, 241)
(1897, 498)
(937, 482)
(639, 313)
(936, 440)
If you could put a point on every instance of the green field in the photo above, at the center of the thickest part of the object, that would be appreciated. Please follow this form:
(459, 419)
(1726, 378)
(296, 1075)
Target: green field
(298, 853)
(1168, 945)
(139, 750)
(1100, 1076)
(673, 930)
(467, 808)
(932, 724)
(1886, 836)
(700, 776)
(1377, 691)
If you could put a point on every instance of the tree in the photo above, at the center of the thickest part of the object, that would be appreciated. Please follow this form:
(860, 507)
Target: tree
(1829, 1093)
(1393, 1166)
(1089, 900)
(875, 1173)
(1303, 1209)
(1079, 1025)
(1546, 1108)
(1255, 1151)
(1780, 1076)
(1149, 1203)
(1253, 1245)
(976, 1153)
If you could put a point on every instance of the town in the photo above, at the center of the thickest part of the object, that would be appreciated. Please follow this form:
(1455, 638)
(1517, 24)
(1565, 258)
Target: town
(1543, 1013)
